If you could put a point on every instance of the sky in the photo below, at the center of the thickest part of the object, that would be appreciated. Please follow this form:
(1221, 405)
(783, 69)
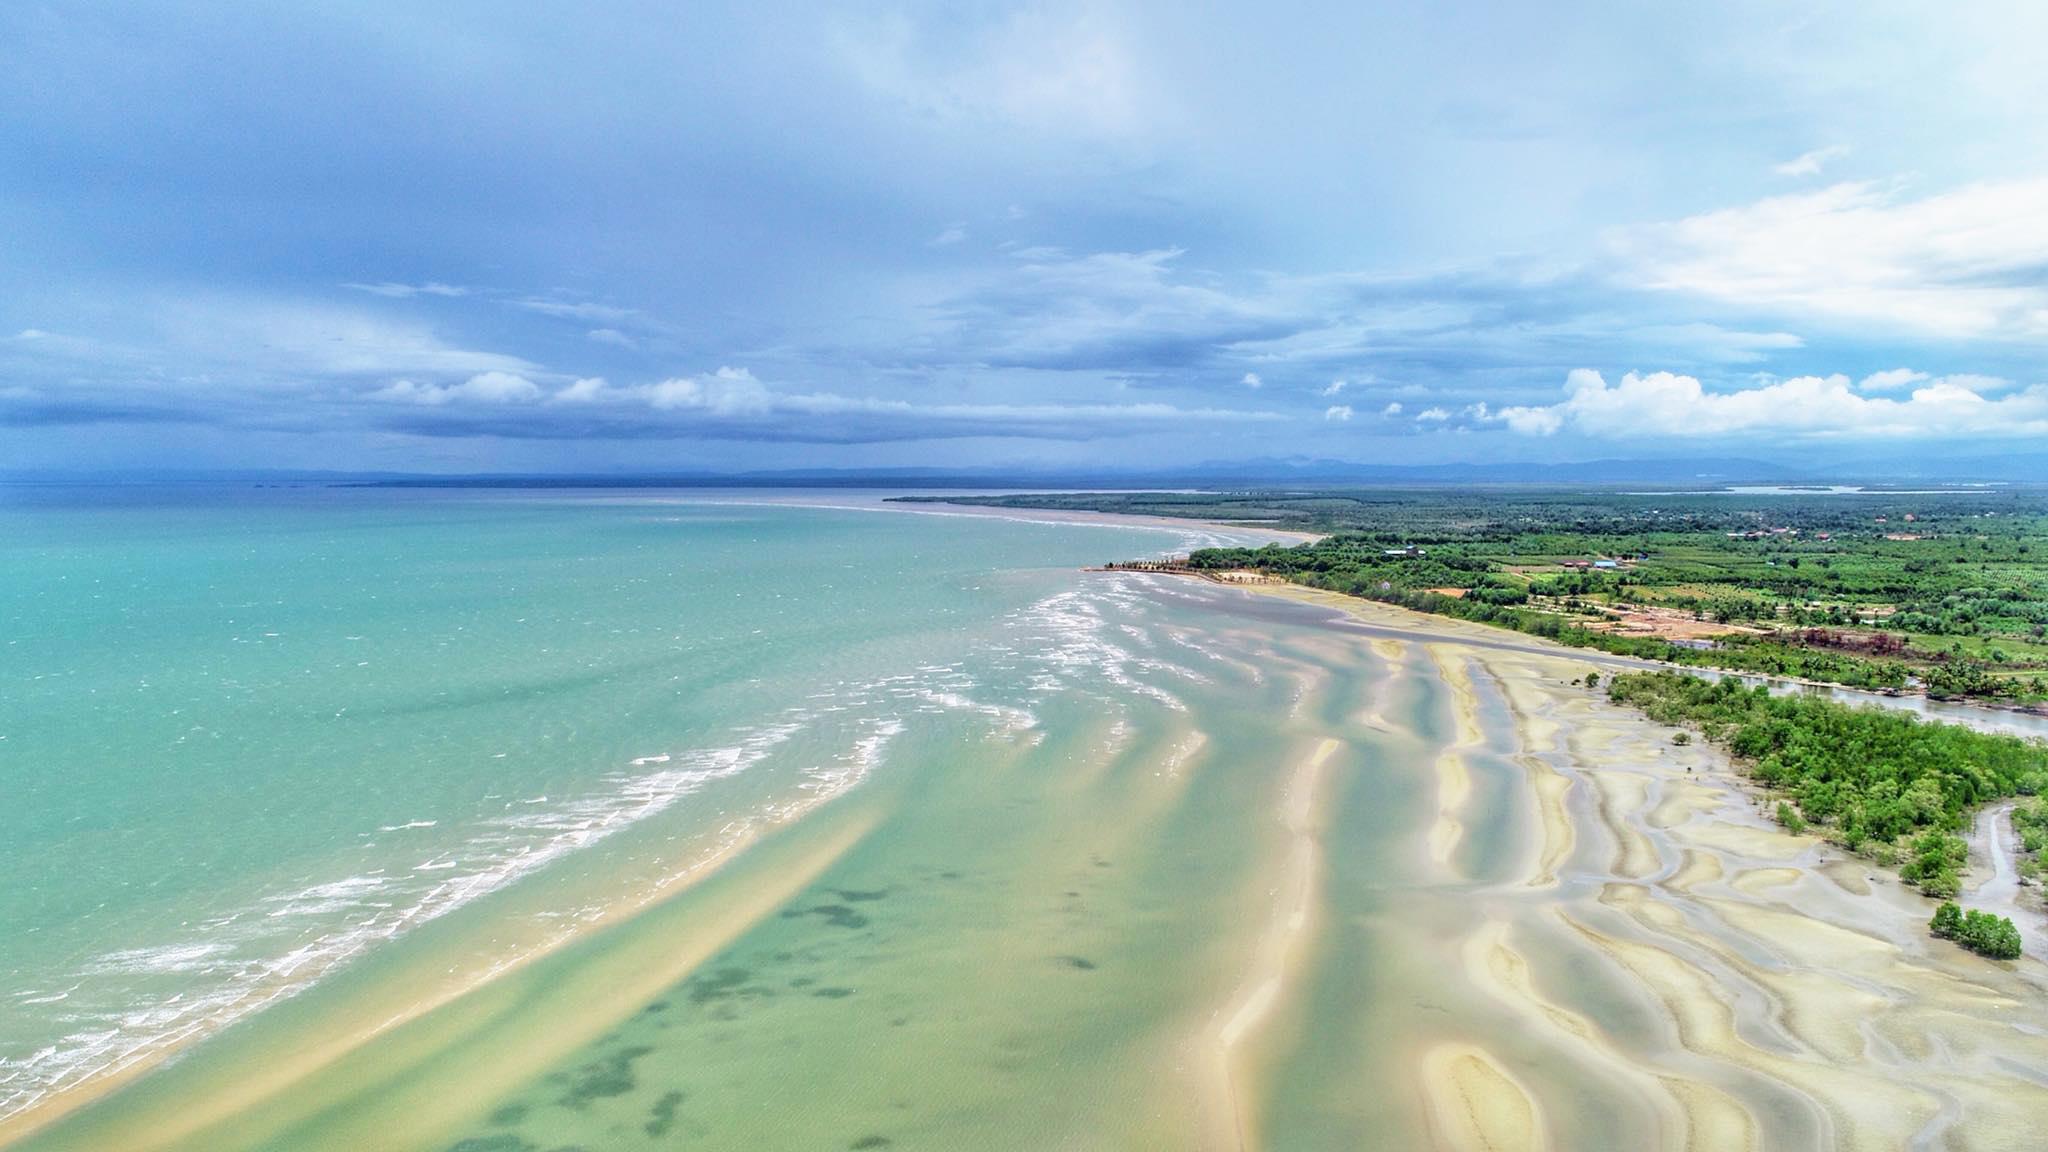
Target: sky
(651, 236)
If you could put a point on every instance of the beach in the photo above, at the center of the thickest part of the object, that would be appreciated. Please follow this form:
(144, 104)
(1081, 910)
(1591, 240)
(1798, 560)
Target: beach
(1135, 861)
(1755, 988)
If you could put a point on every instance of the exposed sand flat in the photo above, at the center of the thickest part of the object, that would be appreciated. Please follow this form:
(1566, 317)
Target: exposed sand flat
(1694, 870)
(1761, 880)
(1476, 1105)
(1362, 898)
(1850, 875)
(498, 1035)
(1231, 1117)
(1560, 835)
(1714, 1121)
(1792, 1002)
(1454, 778)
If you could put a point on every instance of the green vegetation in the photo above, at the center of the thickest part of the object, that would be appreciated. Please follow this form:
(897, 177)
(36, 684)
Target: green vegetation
(1946, 591)
(1980, 932)
(1862, 775)
(1937, 863)
(1420, 583)
(2030, 822)
(1869, 779)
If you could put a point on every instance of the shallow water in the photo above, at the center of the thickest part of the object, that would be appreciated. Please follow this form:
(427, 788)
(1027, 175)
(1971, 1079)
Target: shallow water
(1019, 857)
(251, 737)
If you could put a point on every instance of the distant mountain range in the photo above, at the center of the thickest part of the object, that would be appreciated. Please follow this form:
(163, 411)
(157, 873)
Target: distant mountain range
(1681, 472)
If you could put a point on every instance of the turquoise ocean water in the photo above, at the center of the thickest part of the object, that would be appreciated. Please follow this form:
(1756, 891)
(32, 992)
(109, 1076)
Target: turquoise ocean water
(250, 737)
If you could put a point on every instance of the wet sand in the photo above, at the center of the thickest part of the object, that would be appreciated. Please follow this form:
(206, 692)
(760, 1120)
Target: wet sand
(1785, 996)
(1392, 884)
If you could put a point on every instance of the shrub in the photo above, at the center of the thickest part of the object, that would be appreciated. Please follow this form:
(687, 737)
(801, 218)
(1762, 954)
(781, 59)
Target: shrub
(1980, 932)
(1948, 920)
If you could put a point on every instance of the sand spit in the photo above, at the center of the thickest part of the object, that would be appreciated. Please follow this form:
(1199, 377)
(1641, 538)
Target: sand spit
(1454, 778)
(1475, 1105)
(1671, 960)
(435, 1068)
(1231, 1121)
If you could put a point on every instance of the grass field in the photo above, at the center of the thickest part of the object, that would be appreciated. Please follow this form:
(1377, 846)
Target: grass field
(1945, 591)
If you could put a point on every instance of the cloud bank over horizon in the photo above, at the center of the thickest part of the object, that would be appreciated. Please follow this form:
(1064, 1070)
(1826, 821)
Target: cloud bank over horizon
(1051, 234)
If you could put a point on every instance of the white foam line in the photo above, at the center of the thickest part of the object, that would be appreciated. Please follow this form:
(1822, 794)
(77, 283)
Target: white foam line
(1062, 644)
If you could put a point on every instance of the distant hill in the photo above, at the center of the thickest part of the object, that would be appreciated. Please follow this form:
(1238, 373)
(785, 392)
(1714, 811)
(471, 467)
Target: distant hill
(1700, 472)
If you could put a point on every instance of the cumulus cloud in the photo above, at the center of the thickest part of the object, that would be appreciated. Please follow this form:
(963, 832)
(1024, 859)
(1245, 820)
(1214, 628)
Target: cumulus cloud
(1530, 421)
(1890, 380)
(1804, 407)
(726, 392)
(1810, 163)
(482, 388)
(1334, 387)
(1392, 409)
(1340, 413)
(1251, 380)
(1961, 264)
(731, 403)
(1433, 415)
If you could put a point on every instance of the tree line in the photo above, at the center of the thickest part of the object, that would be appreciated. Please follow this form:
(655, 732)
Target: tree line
(1874, 780)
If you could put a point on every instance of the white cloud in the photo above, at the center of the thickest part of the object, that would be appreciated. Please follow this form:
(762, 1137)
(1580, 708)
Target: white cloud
(1531, 421)
(735, 393)
(1713, 342)
(575, 309)
(1805, 407)
(951, 234)
(405, 291)
(291, 338)
(613, 337)
(1961, 264)
(1393, 408)
(1433, 415)
(1338, 412)
(1810, 163)
(582, 391)
(1335, 387)
(1251, 380)
(482, 388)
(726, 392)
(1890, 380)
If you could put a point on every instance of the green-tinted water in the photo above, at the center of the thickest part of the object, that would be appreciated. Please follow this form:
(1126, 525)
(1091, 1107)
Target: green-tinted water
(1015, 862)
(248, 737)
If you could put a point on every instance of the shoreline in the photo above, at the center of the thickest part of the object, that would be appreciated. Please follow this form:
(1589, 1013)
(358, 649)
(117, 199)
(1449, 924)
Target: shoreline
(1988, 716)
(1985, 820)
(681, 881)
(1646, 955)
(1750, 943)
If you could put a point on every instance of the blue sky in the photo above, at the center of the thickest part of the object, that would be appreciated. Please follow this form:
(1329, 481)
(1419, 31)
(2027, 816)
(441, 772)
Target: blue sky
(632, 236)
